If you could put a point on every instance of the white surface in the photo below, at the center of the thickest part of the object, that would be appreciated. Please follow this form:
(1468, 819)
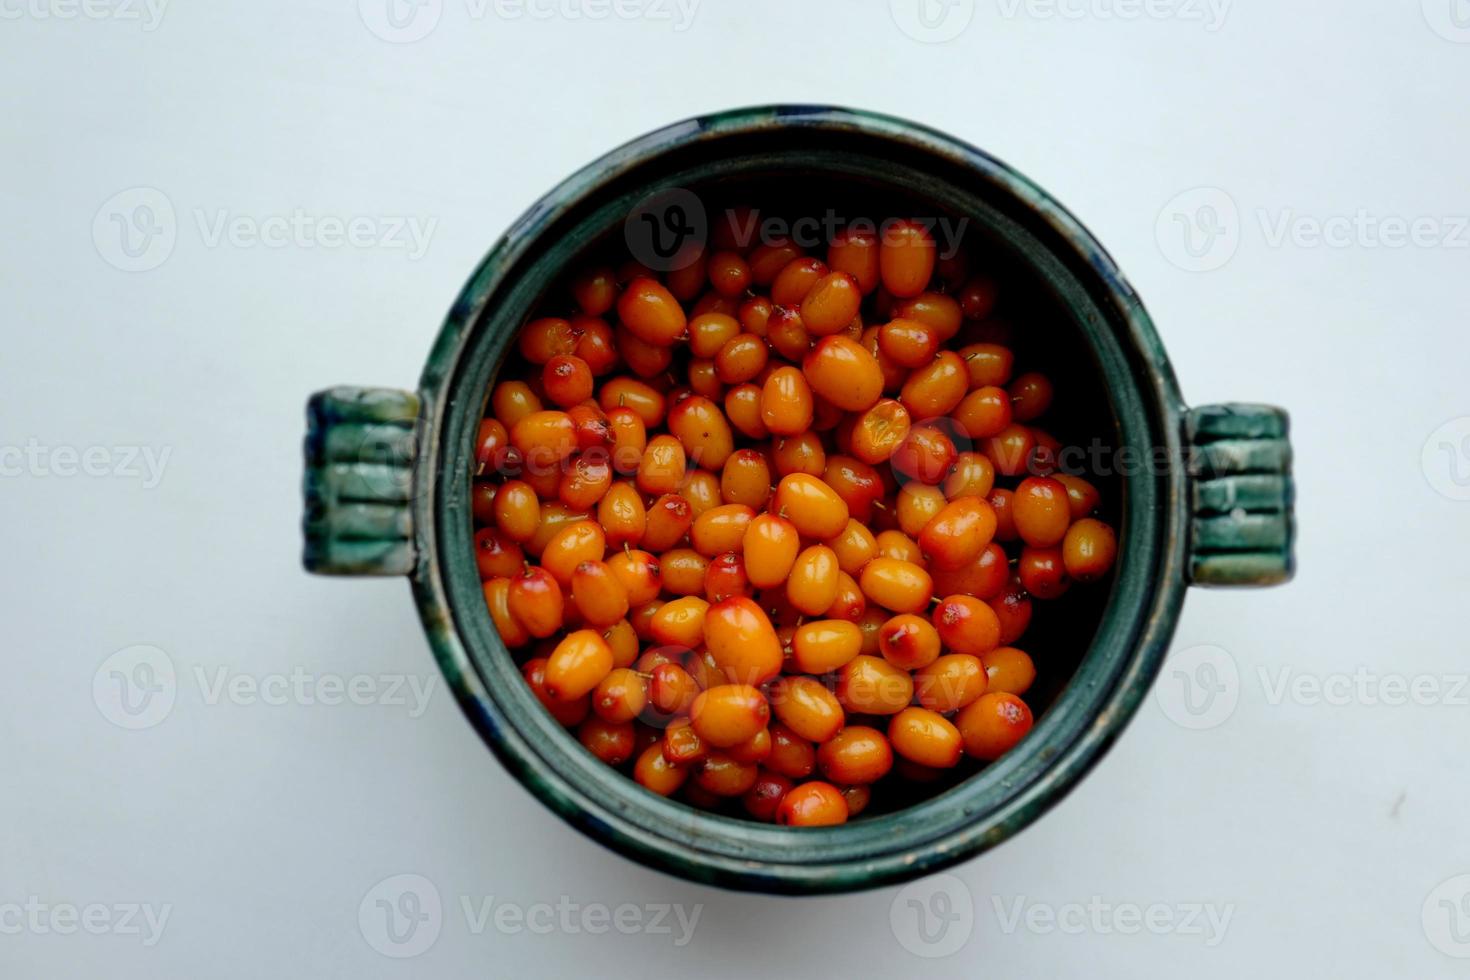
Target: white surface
(1329, 833)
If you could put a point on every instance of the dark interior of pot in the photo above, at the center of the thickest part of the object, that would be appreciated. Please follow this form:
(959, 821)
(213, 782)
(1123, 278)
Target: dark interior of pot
(1062, 314)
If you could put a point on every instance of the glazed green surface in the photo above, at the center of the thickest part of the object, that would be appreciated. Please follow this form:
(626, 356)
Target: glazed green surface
(1161, 509)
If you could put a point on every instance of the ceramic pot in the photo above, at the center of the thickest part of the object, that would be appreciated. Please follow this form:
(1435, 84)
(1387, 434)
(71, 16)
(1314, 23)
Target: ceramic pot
(388, 483)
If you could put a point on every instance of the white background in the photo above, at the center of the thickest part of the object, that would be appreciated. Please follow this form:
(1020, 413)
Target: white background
(1330, 834)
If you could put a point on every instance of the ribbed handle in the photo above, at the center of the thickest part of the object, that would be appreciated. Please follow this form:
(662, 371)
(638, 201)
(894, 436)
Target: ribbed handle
(361, 446)
(1244, 524)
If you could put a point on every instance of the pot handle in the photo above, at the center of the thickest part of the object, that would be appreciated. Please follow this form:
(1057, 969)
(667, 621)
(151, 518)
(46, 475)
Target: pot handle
(1242, 496)
(361, 445)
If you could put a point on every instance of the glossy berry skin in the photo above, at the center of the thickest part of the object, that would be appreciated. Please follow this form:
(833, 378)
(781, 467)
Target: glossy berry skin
(925, 737)
(855, 755)
(993, 724)
(1041, 511)
(729, 714)
(742, 641)
(813, 804)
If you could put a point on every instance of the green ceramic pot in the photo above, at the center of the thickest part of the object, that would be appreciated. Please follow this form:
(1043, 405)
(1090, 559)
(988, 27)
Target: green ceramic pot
(388, 482)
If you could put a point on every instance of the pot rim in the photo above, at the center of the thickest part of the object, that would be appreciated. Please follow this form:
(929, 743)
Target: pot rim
(615, 818)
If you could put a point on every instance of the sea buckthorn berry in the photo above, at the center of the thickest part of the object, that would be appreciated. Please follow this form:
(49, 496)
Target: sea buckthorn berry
(741, 358)
(984, 412)
(555, 515)
(669, 519)
(570, 712)
(850, 603)
(746, 479)
(595, 344)
(726, 577)
(629, 438)
(1009, 669)
(492, 440)
(812, 585)
(895, 544)
(909, 642)
(977, 297)
(577, 542)
(937, 387)
(585, 481)
(709, 332)
(544, 438)
(937, 311)
(926, 454)
(723, 776)
(869, 685)
(870, 623)
(687, 278)
(742, 641)
(830, 304)
(591, 427)
(512, 401)
(857, 799)
(880, 431)
(595, 291)
(813, 804)
(743, 409)
(567, 380)
(543, 339)
(624, 642)
(768, 259)
(622, 515)
(967, 624)
(721, 529)
(951, 682)
(857, 483)
(497, 599)
(809, 504)
(640, 574)
(857, 755)
(1082, 497)
(600, 595)
(1013, 608)
(973, 475)
(517, 512)
(1043, 572)
(993, 724)
(1010, 449)
(1031, 395)
(786, 334)
(1088, 549)
(577, 664)
(908, 342)
(803, 705)
(901, 586)
(791, 755)
(671, 689)
(702, 489)
(799, 454)
(729, 714)
(786, 402)
(1002, 501)
(681, 744)
(701, 429)
(926, 737)
(651, 312)
(620, 696)
(906, 258)
(918, 504)
(825, 645)
(956, 535)
(771, 545)
(763, 799)
(682, 571)
(642, 358)
(989, 365)
(1041, 511)
(843, 372)
(637, 396)
(755, 315)
(536, 602)
(796, 279)
(754, 749)
(854, 547)
(496, 554)
(729, 274)
(855, 252)
(657, 774)
(662, 468)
